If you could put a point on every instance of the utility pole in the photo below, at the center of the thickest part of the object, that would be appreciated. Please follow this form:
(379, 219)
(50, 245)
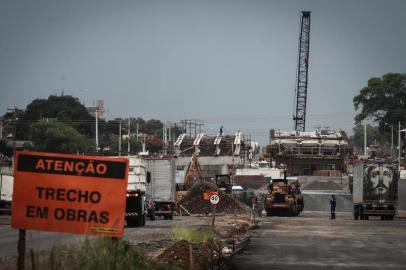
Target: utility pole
(391, 142)
(1, 128)
(169, 130)
(164, 137)
(137, 132)
(119, 137)
(143, 145)
(14, 110)
(97, 131)
(365, 137)
(129, 136)
(400, 148)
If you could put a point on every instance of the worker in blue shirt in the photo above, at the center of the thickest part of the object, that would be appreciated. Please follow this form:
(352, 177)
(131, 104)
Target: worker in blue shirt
(333, 204)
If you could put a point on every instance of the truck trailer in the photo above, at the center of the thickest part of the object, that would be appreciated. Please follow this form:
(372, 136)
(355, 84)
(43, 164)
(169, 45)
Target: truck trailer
(375, 190)
(161, 187)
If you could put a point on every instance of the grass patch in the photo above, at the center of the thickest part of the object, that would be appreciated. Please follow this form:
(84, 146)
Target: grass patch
(96, 254)
(193, 235)
(107, 253)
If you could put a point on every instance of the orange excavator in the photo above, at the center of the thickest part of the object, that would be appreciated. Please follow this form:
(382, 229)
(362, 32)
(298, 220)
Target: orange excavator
(193, 175)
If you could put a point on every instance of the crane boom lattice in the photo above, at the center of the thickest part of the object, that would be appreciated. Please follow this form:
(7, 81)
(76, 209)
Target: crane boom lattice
(302, 73)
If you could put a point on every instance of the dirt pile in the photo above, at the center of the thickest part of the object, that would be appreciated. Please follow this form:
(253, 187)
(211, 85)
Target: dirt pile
(235, 228)
(179, 253)
(195, 203)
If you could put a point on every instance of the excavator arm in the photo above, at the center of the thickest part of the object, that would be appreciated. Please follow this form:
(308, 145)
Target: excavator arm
(193, 171)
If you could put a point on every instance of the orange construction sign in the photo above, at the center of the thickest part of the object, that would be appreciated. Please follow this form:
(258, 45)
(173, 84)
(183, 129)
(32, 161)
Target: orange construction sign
(69, 193)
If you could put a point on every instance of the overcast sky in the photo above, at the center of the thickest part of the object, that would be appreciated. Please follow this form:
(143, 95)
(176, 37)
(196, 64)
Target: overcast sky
(225, 62)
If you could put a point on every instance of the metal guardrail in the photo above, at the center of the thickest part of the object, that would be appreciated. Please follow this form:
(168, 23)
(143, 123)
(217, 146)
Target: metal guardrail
(223, 262)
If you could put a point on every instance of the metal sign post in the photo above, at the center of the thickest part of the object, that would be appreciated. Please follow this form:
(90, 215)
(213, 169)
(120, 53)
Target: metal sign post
(21, 250)
(214, 200)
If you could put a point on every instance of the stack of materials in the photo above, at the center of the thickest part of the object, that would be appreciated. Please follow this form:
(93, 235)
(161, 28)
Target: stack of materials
(194, 201)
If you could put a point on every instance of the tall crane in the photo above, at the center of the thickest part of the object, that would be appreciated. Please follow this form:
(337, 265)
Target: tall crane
(302, 72)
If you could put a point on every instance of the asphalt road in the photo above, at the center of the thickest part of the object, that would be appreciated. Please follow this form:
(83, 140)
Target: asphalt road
(313, 241)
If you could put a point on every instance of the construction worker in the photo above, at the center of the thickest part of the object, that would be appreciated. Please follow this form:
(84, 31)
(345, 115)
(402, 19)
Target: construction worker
(333, 204)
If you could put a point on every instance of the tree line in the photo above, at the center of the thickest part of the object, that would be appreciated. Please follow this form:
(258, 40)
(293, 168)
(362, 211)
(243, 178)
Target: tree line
(382, 103)
(62, 124)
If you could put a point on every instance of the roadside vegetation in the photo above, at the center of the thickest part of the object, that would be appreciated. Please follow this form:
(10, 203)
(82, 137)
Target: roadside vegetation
(96, 254)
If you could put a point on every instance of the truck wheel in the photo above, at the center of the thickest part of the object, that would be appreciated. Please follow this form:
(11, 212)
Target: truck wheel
(140, 221)
(130, 223)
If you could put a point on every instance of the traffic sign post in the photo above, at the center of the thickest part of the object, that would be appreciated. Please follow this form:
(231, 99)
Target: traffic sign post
(214, 200)
(69, 193)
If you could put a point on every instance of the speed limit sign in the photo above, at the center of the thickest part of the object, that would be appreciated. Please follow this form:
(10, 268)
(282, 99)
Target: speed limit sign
(214, 199)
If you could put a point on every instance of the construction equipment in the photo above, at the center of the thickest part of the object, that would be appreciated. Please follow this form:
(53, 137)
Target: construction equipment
(375, 190)
(284, 198)
(224, 183)
(302, 73)
(193, 174)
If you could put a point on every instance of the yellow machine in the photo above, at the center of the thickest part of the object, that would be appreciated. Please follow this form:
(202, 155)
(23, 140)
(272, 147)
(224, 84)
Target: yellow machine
(193, 174)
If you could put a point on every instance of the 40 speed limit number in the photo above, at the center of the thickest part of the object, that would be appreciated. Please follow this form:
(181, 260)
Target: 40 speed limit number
(214, 199)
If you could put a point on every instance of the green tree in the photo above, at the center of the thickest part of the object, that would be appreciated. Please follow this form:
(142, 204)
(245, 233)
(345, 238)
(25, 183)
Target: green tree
(59, 138)
(383, 100)
(153, 127)
(374, 136)
(66, 109)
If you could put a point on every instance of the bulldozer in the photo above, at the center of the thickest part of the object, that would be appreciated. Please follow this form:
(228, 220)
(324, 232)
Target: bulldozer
(284, 198)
